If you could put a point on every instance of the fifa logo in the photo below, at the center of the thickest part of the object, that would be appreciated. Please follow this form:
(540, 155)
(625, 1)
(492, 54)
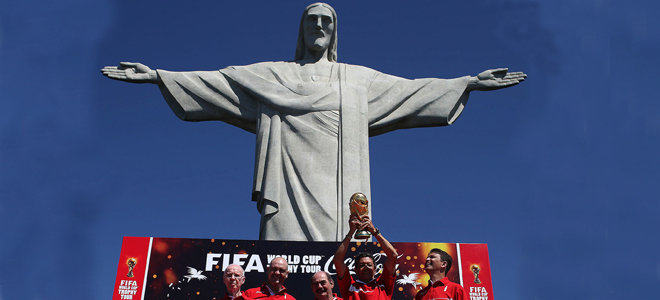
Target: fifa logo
(131, 262)
(475, 271)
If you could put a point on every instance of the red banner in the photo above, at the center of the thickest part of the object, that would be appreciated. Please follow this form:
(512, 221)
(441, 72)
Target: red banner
(174, 268)
(131, 272)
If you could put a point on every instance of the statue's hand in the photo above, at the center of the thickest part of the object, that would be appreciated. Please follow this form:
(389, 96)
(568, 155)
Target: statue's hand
(131, 72)
(495, 79)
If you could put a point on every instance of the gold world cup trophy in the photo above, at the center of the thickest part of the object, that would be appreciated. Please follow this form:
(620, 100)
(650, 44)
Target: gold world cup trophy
(360, 207)
(475, 270)
(131, 262)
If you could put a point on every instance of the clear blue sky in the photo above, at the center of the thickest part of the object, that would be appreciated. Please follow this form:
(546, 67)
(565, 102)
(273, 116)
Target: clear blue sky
(559, 175)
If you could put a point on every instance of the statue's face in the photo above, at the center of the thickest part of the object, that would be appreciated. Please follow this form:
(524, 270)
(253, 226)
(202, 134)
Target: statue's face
(318, 27)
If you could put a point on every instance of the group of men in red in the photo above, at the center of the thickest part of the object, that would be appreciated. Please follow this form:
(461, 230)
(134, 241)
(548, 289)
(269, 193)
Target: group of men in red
(366, 287)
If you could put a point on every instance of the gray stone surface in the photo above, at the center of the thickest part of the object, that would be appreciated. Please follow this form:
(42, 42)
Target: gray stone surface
(313, 118)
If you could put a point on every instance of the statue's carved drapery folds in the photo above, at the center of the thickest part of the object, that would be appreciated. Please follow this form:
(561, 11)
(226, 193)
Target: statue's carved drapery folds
(312, 134)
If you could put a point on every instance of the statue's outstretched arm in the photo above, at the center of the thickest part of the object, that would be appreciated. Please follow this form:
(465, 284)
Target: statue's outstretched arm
(495, 79)
(131, 72)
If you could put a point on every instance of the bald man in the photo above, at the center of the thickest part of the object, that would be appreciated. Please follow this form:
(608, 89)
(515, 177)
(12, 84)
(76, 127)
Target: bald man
(234, 278)
(322, 285)
(273, 288)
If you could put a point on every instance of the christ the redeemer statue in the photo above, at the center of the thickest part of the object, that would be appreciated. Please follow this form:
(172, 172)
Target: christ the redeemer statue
(313, 118)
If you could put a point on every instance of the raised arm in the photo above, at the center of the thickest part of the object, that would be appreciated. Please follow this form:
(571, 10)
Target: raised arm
(340, 254)
(389, 250)
(495, 79)
(131, 72)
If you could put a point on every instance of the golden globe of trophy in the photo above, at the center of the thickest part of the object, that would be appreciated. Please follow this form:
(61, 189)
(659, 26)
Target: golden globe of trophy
(475, 271)
(359, 206)
(131, 262)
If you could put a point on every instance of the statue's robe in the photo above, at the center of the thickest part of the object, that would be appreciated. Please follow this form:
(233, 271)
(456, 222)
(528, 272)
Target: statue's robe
(312, 149)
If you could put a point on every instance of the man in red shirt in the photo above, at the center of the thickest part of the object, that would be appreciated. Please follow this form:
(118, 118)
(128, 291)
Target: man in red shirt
(437, 265)
(234, 277)
(273, 288)
(322, 285)
(367, 287)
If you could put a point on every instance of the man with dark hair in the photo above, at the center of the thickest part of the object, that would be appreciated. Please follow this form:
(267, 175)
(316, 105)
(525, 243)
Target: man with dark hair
(273, 288)
(445, 257)
(437, 265)
(364, 254)
(367, 286)
(322, 285)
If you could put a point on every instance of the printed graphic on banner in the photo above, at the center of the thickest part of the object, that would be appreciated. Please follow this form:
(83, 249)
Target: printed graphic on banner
(132, 267)
(193, 268)
(476, 271)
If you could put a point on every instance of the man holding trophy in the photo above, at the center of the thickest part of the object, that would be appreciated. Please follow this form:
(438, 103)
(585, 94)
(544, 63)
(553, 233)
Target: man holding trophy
(367, 286)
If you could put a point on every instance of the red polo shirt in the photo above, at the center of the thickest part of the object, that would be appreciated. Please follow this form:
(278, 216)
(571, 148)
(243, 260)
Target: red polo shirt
(442, 289)
(241, 297)
(264, 292)
(377, 289)
(334, 297)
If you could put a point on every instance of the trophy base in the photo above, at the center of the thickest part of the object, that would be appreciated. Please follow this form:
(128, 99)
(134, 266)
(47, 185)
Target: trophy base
(362, 235)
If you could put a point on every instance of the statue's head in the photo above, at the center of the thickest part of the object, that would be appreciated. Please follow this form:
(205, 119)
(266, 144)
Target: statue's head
(318, 31)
